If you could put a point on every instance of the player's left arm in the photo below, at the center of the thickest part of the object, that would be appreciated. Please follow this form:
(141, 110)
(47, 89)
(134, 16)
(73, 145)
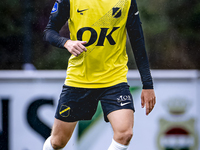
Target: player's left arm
(135, 33)
(148, 99)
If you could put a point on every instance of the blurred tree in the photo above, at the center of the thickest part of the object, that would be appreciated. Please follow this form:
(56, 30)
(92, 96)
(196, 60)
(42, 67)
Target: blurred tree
(185, 20)
(13, 16)
(171, 30)
(11, 34)
(172, 33)
(45, 55)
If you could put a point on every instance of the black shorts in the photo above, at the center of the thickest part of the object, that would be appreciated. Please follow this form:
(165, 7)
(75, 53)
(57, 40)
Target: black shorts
(81, 103)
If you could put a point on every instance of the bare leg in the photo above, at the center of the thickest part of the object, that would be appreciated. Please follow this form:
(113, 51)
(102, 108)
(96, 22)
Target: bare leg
(61, 133)
(122, 123)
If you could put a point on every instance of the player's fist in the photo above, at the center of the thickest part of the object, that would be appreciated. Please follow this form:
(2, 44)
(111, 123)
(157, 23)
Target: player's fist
(75, 47)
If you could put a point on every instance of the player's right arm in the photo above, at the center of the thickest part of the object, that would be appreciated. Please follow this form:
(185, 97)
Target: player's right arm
(59, 15)
(75, 47)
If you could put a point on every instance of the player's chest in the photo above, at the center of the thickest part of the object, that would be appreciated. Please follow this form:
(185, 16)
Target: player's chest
(94, 10)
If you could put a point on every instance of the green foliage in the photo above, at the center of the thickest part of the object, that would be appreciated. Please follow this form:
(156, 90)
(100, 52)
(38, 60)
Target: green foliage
(54, 59)
(171, 30)
(11, 18)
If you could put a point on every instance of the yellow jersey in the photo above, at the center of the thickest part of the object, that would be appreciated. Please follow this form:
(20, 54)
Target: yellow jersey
(103, 24)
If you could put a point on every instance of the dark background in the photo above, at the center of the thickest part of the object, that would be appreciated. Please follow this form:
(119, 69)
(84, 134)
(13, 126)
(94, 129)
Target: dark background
(171, 29)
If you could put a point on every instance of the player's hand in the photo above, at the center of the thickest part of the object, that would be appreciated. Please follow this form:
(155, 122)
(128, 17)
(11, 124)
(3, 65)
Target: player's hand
(75, 47)
(148, 100)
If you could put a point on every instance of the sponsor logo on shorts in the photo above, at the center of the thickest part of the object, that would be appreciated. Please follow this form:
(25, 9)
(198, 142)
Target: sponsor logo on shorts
(123, 104)
(124, 100)
(64, 111)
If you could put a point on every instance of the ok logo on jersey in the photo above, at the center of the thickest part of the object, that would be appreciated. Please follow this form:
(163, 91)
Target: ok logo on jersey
(101, 38)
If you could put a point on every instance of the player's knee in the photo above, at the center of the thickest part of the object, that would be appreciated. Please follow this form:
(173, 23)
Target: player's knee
(125, 136)
(58, 144)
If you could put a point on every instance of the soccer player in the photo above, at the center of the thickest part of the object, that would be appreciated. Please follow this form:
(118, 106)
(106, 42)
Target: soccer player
(97, 68)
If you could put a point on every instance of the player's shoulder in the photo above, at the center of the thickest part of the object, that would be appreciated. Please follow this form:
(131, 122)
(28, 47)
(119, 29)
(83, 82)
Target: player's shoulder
(63, 1)
(60, 10)
(59, 4)
(133, 2)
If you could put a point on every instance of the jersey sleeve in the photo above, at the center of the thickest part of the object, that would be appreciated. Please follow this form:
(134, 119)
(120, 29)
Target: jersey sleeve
(59, 15)
(136, 38)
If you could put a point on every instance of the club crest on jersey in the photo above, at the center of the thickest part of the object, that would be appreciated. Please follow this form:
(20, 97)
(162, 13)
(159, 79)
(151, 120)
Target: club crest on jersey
(116, 12)
(55, 8)
(64, 111)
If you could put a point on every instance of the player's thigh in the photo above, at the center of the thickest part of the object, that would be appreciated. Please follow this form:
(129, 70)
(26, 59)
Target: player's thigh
(62, 131)
(121, 120)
